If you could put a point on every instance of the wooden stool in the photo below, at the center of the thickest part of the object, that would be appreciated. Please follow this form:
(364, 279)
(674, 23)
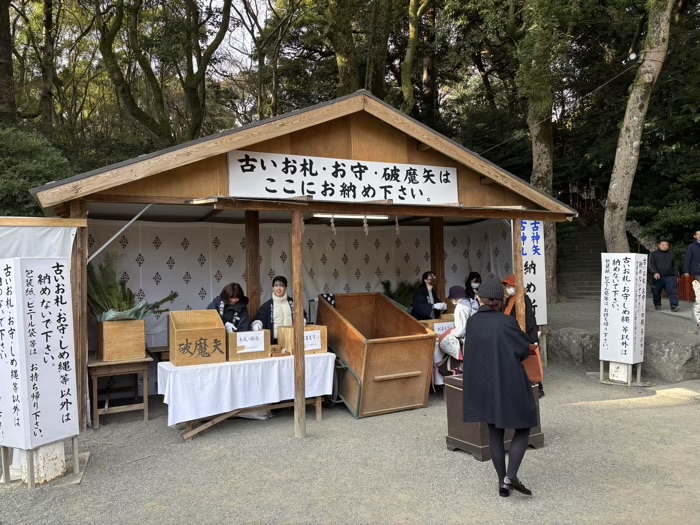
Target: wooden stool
(98, 368)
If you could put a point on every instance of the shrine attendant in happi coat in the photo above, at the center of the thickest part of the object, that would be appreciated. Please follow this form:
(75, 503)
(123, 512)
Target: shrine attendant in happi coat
(232, 305)
(278, 311)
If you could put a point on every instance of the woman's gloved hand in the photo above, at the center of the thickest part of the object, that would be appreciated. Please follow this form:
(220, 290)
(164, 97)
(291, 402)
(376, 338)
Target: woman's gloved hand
(229, 327)
(256, 326)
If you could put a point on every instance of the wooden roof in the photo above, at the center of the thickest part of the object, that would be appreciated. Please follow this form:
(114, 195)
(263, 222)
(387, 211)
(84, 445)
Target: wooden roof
(86, 184)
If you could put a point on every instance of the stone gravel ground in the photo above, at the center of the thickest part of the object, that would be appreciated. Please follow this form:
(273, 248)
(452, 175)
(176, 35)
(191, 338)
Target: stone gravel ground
(612, 455)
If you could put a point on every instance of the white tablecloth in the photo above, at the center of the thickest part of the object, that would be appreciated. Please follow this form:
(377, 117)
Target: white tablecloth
(194, 392)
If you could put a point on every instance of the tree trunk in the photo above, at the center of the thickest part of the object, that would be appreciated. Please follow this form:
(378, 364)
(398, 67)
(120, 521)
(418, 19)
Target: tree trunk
(414, 15)
(339, 15)
(542, 178)
(629, 141)
(47, 67)
(430, 99)
(8, 106)
(488, 89)
(380, 26)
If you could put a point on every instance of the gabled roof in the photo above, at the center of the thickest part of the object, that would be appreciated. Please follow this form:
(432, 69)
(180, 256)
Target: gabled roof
(78, 186)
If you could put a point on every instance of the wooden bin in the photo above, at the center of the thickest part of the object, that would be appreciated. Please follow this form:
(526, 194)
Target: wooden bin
(388, 353)
(474, 437)
(285, 338)
(196, 337)
(242, 353)
(121, 340)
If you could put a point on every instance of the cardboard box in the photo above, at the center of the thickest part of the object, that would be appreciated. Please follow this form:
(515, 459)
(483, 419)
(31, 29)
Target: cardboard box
(121, 340)
(315, 339)
(439, 326)
(197, 337)
(244, 346)
(447, 317)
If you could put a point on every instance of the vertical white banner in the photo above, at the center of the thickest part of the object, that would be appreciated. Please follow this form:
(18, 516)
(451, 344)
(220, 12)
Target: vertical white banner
(532, 234)
(41, 360)
(622, 306)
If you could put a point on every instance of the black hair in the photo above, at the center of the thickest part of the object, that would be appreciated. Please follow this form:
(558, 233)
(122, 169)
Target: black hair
(468, 284)
(232, 290)
(280, 279)
(427, 274)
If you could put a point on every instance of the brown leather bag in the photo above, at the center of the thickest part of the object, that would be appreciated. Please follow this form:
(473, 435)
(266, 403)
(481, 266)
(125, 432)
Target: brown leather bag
(533, 365)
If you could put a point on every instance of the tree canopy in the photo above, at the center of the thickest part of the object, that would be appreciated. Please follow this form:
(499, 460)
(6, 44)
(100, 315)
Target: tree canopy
(538, 87)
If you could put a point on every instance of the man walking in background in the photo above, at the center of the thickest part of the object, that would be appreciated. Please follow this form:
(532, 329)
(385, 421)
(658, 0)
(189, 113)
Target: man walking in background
(691, 265)
(662, 266)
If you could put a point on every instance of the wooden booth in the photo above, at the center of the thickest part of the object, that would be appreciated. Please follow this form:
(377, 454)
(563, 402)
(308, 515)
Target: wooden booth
(339, 164)
(386, 355)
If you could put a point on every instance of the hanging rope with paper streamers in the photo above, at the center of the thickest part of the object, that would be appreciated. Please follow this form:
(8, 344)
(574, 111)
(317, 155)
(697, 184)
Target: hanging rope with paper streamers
(397, 224)
(365, 226)
(333, 225)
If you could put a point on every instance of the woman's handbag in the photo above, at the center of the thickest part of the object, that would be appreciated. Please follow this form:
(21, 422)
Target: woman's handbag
(448, 365)
(533, 365)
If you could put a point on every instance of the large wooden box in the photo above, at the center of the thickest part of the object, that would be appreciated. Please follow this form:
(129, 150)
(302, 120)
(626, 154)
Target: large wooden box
(387, 353)
(474, 437)
(196, 337)
(121, 340)
(245, 346)
(315, 339)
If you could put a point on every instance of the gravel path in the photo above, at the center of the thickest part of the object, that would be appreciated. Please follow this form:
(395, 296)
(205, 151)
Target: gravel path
(611, 455)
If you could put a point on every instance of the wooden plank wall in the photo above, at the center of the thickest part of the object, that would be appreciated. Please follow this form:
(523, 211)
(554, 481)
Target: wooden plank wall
(358, 136)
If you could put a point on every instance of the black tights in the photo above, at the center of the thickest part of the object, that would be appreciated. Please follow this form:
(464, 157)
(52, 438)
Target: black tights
(518, 446)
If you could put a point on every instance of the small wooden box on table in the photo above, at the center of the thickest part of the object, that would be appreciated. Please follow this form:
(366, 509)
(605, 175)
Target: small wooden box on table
(315, 339)
(245, 346)
(98, 368)
(121, 340)
(474, 437)
(196, 337)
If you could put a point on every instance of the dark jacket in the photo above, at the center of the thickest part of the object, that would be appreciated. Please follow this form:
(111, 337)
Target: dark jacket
(691, 264)
(530, 320)
(422, 309)
(236, 314)
(496, 387)
(663, 263)
(266, 315)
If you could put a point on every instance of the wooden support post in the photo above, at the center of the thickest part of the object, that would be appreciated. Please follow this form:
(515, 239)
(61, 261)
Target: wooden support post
(252, 257)
(299, 357)
(437, 254)
(639, 372)
(519, 277)
(76, 456)
(602, 370)
(5, 452)
(30, 469)
(78, 210)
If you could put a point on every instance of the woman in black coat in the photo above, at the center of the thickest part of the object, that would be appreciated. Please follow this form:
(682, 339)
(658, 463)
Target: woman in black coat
(497, 390)
(278, 311)
(232, 306)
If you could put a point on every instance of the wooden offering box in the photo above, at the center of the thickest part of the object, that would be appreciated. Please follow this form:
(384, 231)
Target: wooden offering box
(121, 340)
(474, 437)
(244, 346)
(196, 337)
(315, 339)
(388, 353)
(439, 326)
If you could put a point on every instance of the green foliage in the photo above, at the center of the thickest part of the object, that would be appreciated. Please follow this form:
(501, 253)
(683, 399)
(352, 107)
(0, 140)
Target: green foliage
(107, 295)
(403, 295)
(27, 160)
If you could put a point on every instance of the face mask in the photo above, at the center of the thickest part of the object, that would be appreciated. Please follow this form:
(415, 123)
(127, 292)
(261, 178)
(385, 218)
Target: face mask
(475, 286)
(510, 290)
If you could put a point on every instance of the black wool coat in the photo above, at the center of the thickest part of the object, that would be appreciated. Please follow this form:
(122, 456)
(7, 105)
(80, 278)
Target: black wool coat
(422, 309)
(496, 387)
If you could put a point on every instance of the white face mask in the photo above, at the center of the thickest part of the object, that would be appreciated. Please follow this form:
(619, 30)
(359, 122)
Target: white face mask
(475, 286)
(510, 290)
